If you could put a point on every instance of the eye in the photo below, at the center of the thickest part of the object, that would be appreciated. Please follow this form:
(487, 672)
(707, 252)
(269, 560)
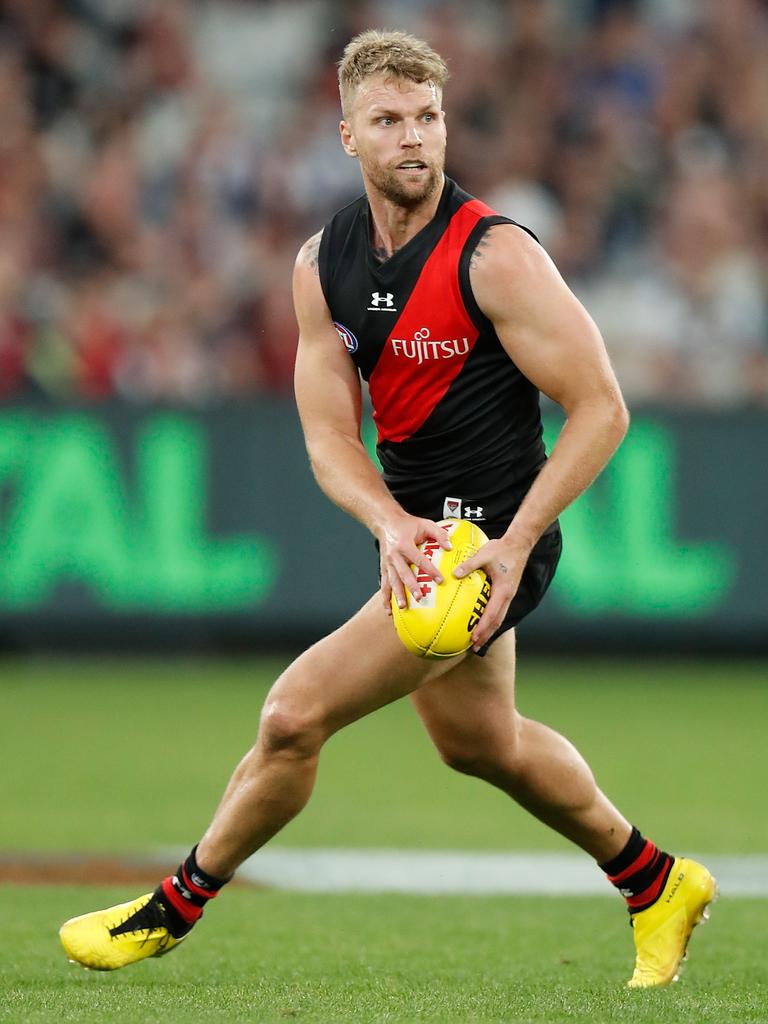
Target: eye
(386, 121)
(429, 118)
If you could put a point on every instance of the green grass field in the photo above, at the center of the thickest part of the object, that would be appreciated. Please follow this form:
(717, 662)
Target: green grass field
(102, 756)
(277, 956)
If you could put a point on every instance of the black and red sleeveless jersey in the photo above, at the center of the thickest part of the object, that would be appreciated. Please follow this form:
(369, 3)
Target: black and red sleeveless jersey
(459, 429)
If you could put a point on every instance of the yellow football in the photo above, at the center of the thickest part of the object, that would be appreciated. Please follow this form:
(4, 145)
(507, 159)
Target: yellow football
(440, 625)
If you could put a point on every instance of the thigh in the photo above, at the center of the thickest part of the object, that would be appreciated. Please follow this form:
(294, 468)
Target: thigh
(358, 668)
(474, 702)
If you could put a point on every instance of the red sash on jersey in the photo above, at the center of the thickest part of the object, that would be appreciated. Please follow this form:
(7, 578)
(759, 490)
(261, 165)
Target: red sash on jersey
(432, 339)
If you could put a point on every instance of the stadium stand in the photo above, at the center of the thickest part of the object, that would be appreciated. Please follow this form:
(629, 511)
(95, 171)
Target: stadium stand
(161, 163)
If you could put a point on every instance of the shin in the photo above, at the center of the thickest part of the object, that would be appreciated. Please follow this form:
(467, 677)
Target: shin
(272, 783)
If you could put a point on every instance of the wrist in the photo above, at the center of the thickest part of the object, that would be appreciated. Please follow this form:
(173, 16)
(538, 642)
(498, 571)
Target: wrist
(521, 537)
(386, 518)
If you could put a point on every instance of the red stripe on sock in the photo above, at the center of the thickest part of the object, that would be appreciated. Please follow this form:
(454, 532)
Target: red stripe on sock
(647, 895)
(188, 911)
(205, 893)
(642, 859)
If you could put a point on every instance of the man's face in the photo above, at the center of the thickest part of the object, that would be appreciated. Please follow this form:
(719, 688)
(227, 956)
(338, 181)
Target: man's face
(397, 130)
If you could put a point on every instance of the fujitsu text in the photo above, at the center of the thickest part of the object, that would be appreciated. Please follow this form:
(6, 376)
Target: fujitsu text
(422, 351)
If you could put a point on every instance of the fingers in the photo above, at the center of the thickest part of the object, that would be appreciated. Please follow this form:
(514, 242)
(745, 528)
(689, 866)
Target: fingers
(476, 561)
(396, 587)
(479, 560)
(407, 567)
(437, 533)
(401, 578)
(502, 591)
(425, 564)
(467, 566)
(386, 591)
(406, 576)
(492, 617)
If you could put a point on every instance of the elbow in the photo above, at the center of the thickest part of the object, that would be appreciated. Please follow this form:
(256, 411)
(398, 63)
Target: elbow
(326, 449)
(618, 417)
(319, 462)
(606, 410)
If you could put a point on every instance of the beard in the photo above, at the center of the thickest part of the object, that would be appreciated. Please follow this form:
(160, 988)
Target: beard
(408, 196)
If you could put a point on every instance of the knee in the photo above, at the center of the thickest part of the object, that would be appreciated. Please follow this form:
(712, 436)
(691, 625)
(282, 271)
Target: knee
(285, 728)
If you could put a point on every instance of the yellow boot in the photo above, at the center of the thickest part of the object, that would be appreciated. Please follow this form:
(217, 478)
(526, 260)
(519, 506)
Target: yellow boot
(662, 930)
(121, 935)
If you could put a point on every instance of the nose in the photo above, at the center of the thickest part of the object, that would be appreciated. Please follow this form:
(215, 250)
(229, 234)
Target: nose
(411, 136)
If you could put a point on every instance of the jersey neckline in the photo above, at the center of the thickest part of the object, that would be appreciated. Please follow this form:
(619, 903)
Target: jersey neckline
(390, 267)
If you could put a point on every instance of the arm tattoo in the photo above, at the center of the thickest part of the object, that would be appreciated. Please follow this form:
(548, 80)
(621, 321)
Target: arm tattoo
(312, 250)
(503, 567)
(477, 254)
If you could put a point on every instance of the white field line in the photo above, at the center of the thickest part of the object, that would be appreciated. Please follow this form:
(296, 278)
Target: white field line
(421, 871)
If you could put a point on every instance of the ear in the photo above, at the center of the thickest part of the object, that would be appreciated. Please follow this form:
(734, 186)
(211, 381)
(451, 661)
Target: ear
(347, 138)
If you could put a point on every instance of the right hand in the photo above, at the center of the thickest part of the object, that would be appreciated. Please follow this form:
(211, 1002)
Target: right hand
(399, 541)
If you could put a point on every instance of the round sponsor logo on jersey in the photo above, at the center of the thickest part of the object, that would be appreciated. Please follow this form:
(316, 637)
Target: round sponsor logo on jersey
(350, 341)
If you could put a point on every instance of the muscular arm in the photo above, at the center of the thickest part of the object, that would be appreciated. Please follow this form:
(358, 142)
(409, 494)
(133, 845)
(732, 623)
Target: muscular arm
(328, 398)
(554, 342)
(329, 401)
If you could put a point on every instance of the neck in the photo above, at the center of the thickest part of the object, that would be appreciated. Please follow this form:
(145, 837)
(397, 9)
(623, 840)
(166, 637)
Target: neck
(395, 225)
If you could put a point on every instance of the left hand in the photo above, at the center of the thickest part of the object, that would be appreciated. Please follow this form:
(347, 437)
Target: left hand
(504, 562)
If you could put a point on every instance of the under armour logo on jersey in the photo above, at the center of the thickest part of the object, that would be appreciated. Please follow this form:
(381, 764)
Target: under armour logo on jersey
(475, 513)
(382, 303)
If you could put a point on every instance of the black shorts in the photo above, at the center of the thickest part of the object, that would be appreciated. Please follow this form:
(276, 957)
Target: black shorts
(537, 575)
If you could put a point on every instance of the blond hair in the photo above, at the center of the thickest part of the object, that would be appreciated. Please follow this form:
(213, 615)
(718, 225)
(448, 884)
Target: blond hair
(391, 53)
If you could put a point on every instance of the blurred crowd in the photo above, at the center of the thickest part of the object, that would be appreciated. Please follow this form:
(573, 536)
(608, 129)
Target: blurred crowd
(161, 162)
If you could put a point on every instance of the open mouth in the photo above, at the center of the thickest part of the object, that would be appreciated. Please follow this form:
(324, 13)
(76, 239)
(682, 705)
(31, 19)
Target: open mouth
(412, 166)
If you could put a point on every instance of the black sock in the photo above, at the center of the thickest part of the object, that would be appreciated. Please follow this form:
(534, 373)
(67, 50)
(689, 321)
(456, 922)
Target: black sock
(186, 893)
(639, 872)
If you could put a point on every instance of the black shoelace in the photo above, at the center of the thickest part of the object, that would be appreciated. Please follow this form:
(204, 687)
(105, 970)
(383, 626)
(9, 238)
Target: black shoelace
(156, 913)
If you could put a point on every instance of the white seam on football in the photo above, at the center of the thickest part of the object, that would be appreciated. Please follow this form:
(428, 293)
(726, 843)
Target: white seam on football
(414, 641)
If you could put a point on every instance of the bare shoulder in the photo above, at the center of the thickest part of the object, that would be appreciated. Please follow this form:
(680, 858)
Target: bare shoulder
(308, 298)
(509, 267)
(506, 244)
(540, 323)
(309, 254)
